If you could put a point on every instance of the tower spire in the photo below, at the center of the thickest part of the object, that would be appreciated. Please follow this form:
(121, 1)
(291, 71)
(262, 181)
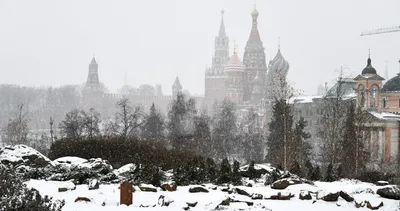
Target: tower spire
(279, 43)
(222, 32)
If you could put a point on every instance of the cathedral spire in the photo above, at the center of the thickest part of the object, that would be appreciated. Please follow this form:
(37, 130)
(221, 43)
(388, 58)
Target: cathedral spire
(222, 32)
(254, 38)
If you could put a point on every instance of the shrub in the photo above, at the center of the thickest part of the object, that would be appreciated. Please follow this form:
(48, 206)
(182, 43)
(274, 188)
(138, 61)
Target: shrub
(14, 195)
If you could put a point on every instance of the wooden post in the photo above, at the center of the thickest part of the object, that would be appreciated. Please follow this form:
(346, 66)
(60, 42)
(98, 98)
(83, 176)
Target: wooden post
(126, 190)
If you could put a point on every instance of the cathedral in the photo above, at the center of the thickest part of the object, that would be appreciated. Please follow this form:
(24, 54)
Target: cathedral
(249, 84)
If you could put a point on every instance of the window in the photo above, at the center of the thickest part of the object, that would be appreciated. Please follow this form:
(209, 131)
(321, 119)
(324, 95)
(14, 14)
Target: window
(384, 100)
(361, 93)
(374, 89)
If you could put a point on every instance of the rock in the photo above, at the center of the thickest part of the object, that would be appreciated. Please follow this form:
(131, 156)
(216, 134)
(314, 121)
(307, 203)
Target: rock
(164, 202)
(192, 204)
(98, 165)
(389, 192)
(198, 189)
(382, 183)
(148, 205)
(63, 189)
(68, 161)
(168, 187)
(94, 184)
(331, 197)
(23, 155)
(233, 200)
(242, 192)
(257, 196)
(280, 184)
(279, 196)
(346, 196)
(358, 205)
(66, 186)
(367, 190)
(225, 202)
(85, 199)
(369, 206)
(147, 188)
(305, 195)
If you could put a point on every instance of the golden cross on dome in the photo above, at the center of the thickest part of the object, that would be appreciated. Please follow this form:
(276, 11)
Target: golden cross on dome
(234, 46)
(222, 12)
(369, 53)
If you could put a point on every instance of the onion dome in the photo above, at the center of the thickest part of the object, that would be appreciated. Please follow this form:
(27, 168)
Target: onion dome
(392, 85)
(279, 64)
(234, 64)
(368, 69)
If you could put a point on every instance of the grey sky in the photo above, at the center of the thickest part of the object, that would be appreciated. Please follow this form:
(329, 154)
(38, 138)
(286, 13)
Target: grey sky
(51, 42)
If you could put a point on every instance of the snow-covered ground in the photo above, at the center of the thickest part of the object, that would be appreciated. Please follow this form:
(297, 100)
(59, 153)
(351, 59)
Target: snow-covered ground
(108, 195)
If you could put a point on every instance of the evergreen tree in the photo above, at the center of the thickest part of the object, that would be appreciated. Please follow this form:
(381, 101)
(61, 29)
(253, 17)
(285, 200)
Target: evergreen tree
(316, 174)
(180, 121)
(299, 148)
(279, 139)
(330, 174)
(354, 156)
(224, 130)
(236, 177)
(251, 171)
(202, 134)
(225, 172)
(154, 125)
(211, 170)
(252, 144)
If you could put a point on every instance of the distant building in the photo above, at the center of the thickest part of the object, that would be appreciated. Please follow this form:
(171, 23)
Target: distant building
(382, 101)
(95, 97)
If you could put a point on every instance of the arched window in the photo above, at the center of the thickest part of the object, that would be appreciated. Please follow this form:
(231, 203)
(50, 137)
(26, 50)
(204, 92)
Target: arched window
(384, 99)
(374, 97)
(361, 92)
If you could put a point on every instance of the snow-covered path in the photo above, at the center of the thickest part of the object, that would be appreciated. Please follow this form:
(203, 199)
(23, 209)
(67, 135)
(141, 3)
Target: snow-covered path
(109, 196)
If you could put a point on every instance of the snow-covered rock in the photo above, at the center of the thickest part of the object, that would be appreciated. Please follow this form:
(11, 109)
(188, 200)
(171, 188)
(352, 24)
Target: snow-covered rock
(70, 160)
(389, 192)
(126, 169)
(23, 155)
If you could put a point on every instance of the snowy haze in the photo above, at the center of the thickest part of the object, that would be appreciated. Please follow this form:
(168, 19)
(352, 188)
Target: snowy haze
(52, 42)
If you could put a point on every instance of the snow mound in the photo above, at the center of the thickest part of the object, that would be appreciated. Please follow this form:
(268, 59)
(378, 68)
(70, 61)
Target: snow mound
(23, 155)
(70, 160)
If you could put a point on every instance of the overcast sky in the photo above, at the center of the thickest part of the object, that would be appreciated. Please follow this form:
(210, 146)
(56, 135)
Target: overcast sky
(51, 42)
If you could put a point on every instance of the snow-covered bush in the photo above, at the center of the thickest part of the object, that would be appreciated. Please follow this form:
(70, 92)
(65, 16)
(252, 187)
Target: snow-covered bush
(14, 195)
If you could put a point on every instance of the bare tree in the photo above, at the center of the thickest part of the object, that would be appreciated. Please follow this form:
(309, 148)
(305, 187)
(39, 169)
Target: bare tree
(330, 130)
(73, 124)
(16, 131)
(91, 123)
(127, 120)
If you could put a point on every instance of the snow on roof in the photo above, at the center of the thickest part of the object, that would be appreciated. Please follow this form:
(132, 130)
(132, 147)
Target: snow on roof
(303, 99)
(385, 115)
